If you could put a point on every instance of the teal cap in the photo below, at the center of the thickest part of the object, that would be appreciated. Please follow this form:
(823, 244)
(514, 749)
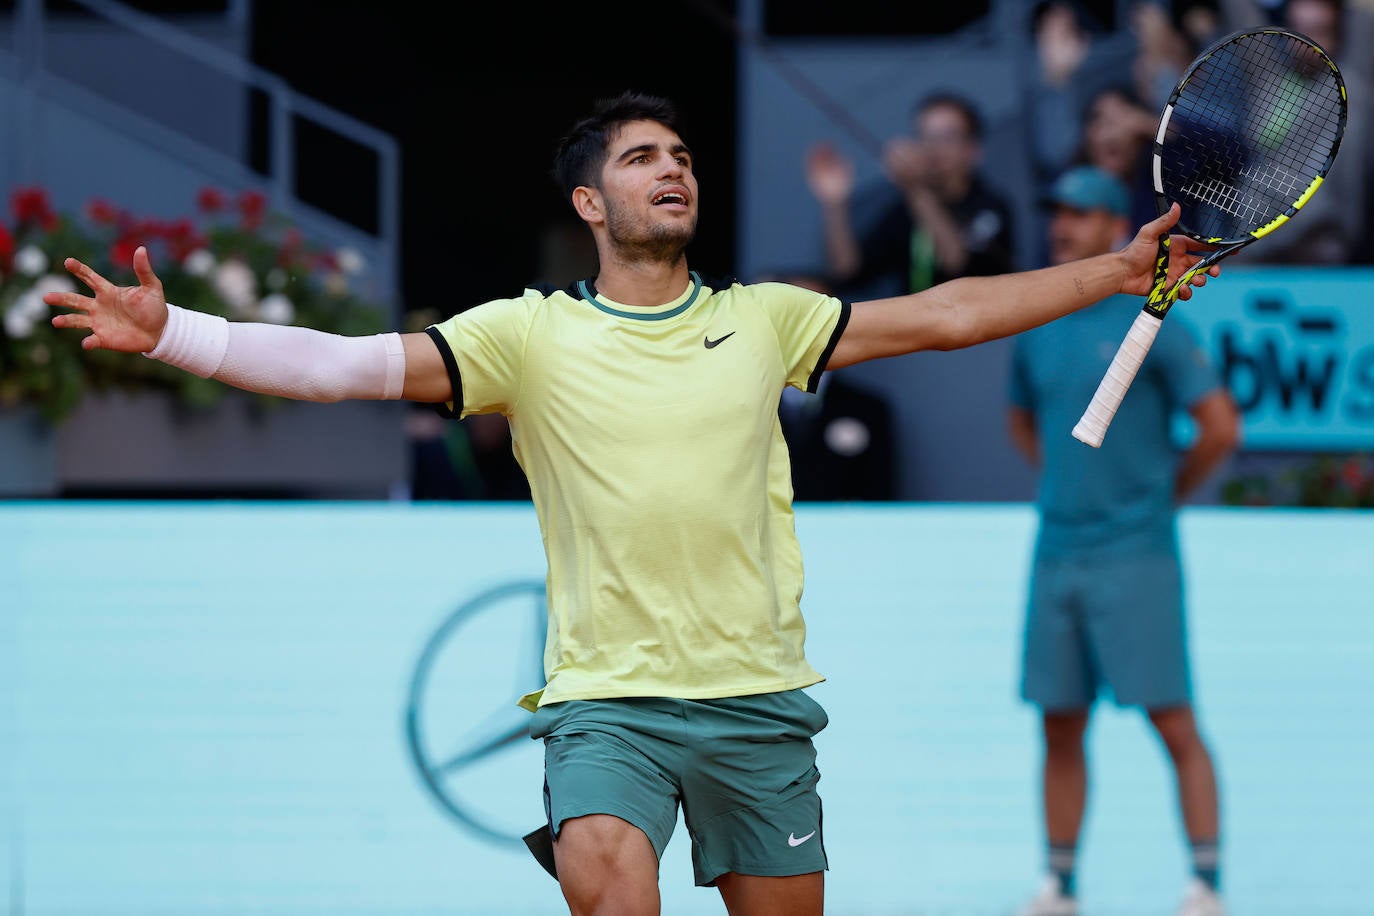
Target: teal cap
(1087, 187)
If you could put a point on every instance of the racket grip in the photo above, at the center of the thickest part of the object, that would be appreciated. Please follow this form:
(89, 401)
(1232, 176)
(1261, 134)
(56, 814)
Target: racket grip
(1092, 427)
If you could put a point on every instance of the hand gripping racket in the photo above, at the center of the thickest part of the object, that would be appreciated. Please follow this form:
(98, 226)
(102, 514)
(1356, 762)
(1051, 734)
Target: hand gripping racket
(1243, 143)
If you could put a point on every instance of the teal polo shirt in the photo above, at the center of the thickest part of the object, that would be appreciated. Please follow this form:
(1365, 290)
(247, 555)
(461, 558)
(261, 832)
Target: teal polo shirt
(1117, 498)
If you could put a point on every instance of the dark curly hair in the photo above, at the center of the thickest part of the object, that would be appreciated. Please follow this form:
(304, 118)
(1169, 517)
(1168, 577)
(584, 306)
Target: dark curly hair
(583, 150)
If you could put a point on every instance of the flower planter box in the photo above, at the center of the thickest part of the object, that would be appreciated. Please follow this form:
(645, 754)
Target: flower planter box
(28, 454)
(146, 446)
(233, 258)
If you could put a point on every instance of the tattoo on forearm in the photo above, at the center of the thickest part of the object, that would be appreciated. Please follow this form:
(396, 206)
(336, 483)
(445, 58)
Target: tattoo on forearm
(1078, 285)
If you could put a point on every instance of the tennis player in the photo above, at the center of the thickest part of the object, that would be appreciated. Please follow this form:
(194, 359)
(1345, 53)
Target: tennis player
(643, 409)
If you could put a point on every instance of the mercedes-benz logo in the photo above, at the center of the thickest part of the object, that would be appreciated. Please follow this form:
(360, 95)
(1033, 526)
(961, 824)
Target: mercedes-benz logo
(463, 728)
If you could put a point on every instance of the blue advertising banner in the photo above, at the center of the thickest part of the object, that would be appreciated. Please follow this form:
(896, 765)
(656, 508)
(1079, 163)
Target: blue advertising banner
(1296, 348)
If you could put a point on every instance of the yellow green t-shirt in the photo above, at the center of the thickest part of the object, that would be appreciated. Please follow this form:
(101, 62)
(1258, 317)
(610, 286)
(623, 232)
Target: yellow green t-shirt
(659, 475)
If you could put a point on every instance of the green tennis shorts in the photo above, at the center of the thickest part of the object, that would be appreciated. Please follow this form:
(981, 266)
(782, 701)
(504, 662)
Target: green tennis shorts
(742, 768)
(1106, 625)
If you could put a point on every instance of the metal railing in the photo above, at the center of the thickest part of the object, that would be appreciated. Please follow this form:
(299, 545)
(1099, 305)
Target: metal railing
(39, 82)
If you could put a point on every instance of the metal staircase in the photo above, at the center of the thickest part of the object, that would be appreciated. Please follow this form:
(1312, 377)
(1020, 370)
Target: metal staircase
(105, 101)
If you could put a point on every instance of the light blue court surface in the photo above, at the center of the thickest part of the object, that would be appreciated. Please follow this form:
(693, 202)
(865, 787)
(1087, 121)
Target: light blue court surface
(297, 709)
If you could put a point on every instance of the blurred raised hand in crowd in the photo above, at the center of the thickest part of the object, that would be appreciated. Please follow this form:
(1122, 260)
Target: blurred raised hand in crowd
(1163, 52)
(1074, 60)
(938, 217)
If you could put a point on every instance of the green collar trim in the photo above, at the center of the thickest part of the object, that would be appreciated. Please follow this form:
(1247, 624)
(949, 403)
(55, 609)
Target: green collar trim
(585, 290)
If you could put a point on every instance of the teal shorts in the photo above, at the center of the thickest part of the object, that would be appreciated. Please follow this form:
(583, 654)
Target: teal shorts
(1106, 626)
(743, 770)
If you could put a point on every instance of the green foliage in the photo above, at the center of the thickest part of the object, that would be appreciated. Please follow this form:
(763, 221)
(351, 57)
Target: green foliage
(1324, 481)
(234, 259)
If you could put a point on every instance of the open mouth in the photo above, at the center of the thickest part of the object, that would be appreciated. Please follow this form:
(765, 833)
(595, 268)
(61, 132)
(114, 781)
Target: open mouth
(670, 197)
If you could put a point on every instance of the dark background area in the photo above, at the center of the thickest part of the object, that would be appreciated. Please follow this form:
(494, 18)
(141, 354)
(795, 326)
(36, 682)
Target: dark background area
(478, 110)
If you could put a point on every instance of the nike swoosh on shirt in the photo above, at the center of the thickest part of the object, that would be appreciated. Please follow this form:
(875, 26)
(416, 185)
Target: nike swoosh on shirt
(794, 840)
(718, 341)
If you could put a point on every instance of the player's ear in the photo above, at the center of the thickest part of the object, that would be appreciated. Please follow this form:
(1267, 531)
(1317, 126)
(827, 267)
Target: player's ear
(588, 204)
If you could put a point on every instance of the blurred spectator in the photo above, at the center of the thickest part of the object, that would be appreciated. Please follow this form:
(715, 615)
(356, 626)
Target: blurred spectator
(1118, 135)
(1105, 606)
(1169, 37)
(1323, 21)
(470, 459)
(1332, 228)
(1200, 21)
(944, 221)
(840, 439)
(1073, 62)
(463, 459)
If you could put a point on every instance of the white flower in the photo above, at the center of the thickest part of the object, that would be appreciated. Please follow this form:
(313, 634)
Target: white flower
(276, 309)
(336, 284)
(30, 261)
(199, 263)
(54, 283)
(277, 278)
(350, 261)
(30, 303)
(236, 285)
(18, 323)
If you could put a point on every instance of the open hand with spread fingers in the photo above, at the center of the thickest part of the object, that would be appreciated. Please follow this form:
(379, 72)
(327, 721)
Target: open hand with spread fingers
(125, 318)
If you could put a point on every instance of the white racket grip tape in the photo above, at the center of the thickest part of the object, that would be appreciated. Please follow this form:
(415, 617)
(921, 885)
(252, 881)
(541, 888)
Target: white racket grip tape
(1092, 427)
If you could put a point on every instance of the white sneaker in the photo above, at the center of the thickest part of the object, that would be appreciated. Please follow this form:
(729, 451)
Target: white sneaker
(1050, 902)
(1201, 900)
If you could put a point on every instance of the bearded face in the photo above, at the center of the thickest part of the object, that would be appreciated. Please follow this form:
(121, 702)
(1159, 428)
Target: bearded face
(648, 194)
(633, 229)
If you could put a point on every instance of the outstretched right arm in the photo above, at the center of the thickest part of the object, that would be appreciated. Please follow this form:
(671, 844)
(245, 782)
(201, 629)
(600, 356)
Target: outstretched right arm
(290, 362)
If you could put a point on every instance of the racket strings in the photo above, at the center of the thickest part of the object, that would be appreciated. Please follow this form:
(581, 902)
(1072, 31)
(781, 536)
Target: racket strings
(1251, 128)
(1249, 209)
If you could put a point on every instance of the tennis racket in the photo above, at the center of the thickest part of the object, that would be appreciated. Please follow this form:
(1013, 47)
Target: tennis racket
(1244, 141)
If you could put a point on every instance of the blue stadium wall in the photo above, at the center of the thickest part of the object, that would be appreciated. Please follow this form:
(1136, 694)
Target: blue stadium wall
(291, 709)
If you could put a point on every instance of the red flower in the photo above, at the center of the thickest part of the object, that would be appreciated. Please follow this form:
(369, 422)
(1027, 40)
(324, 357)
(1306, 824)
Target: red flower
(252, 206)
(122, 252)
(6, 248)
(31, 205)
(210, 200)
(102, 212)
(292, 248)
(1352, 472)
(149, 226)
(182, 238)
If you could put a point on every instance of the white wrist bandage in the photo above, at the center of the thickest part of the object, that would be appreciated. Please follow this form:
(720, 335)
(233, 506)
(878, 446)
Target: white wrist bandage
(193, 341)
(290, 362)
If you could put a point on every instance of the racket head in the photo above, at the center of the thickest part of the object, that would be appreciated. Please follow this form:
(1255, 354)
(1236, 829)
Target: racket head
(1248, 135)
